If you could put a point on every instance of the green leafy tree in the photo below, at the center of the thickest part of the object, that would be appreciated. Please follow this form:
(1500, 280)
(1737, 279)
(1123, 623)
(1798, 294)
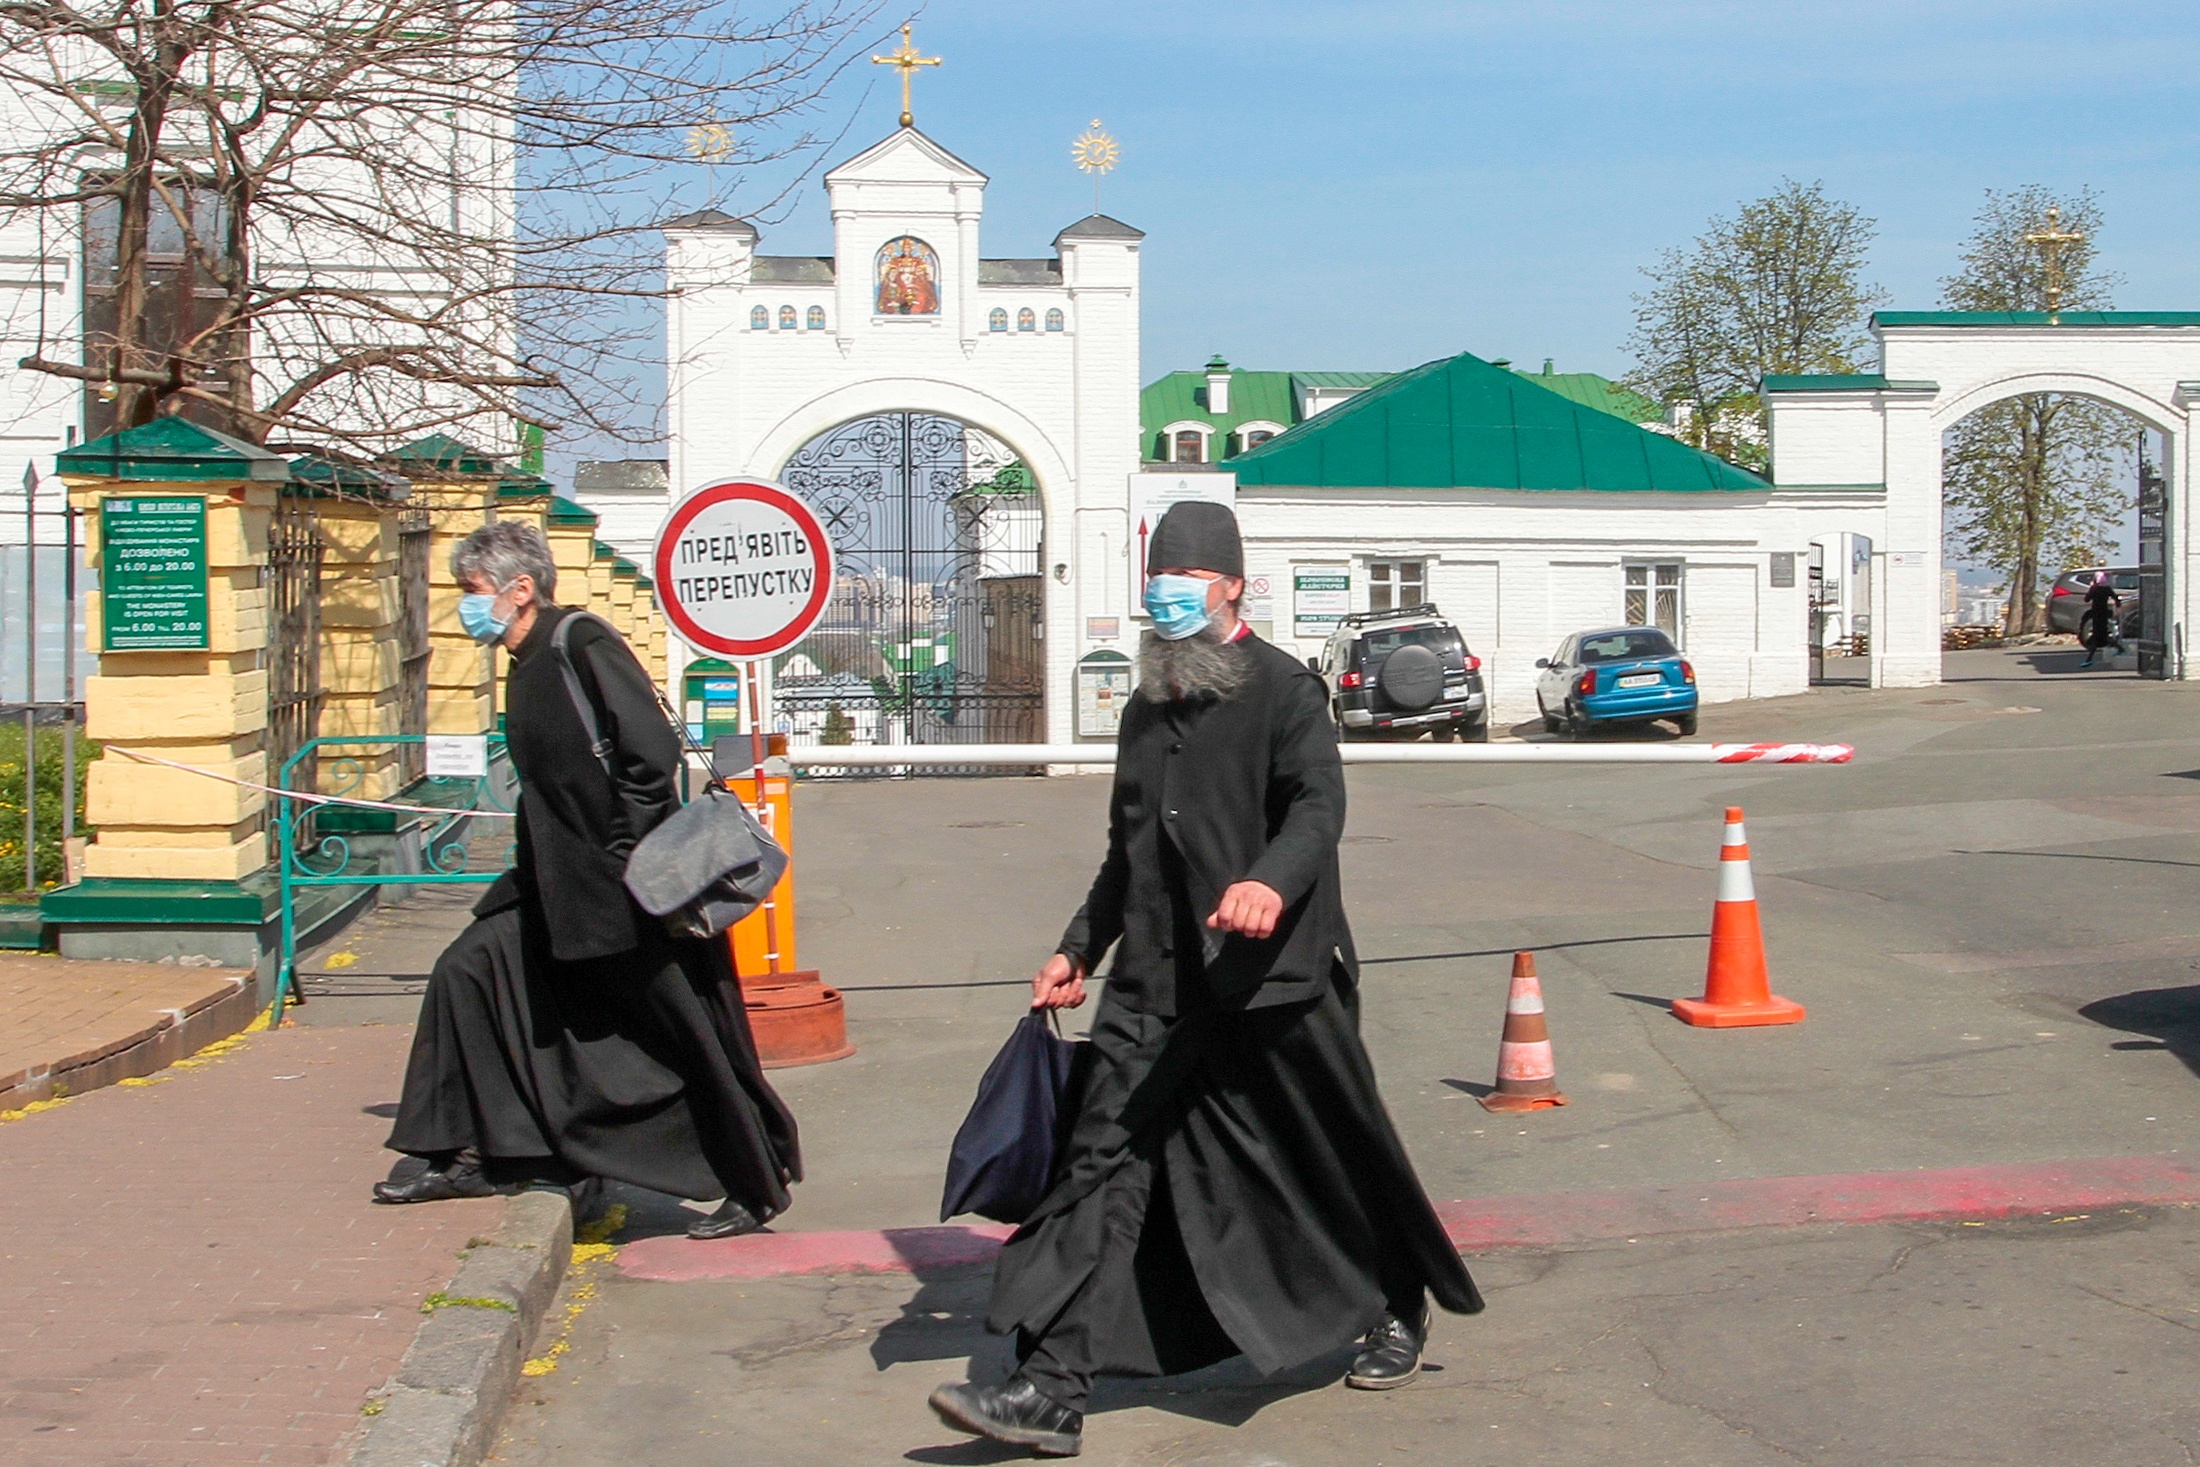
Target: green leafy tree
(1776, 289)
(2040, 479)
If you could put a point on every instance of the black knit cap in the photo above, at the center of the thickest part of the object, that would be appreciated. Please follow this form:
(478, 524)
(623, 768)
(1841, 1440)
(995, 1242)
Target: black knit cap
(1196, 535)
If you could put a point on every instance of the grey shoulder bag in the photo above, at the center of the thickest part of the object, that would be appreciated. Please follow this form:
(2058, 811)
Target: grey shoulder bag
(711, 862)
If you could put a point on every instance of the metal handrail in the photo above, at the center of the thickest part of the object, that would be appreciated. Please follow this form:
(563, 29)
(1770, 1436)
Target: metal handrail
(325, 859)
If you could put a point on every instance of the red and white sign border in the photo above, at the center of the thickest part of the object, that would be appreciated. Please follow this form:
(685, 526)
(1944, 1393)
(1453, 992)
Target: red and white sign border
(762, 491)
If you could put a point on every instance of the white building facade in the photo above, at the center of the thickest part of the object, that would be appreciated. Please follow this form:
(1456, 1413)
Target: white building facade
(979, 402)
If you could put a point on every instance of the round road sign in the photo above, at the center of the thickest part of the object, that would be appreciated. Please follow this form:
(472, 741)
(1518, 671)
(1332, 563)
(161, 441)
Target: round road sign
(743, 569)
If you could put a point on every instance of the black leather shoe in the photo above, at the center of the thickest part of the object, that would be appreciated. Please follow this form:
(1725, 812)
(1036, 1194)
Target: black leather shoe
(1017, 1413)
(1390, 1354)
(435, 1184)
(731, 1220)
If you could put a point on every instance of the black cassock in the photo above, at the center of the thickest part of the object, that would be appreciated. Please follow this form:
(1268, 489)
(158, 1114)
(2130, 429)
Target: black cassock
(1232, 1183)
(564, 1025)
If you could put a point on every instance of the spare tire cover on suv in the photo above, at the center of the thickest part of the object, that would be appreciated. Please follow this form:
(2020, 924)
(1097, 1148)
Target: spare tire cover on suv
(1412, 677)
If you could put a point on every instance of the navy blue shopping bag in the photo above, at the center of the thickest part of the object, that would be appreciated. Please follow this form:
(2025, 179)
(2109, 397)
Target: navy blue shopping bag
(1003, 1156)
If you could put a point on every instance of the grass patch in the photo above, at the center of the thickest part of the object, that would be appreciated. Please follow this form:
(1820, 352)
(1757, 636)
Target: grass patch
(49, 771)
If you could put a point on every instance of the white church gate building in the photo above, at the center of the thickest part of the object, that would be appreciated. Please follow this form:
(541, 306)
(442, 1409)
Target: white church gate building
(1867, 449)
(965, 426)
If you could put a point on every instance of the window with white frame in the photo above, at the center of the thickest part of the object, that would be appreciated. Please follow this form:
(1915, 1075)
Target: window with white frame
(1653, 596)
(1392, 584)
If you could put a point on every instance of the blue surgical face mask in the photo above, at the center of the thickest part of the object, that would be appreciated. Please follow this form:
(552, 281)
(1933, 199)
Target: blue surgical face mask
(478, 615)
(1178, 606)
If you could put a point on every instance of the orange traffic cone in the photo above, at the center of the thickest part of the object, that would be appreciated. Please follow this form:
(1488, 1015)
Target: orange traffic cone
(1737, 991)
(1527, 1073)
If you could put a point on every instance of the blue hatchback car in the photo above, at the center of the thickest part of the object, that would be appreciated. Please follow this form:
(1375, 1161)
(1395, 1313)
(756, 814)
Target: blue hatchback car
(1624, 675)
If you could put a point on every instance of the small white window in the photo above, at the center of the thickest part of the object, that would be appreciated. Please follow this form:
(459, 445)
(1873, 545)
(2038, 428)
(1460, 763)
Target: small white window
(760, 319)
(997, 319)
(1393, 584)
(1191, 446)
(1654, 596)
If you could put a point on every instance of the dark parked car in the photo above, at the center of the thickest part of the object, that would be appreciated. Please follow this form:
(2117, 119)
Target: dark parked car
(1403, 672)
(2066, 598)
(1623, 675)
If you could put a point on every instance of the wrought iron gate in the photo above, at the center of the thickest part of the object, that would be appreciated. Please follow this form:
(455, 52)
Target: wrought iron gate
(935, 631)
(294, 555)
(2154, 661)
(413, 544)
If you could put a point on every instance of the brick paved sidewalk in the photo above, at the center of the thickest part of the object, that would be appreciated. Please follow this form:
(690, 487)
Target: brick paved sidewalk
(190, 1271)
(68, 1027)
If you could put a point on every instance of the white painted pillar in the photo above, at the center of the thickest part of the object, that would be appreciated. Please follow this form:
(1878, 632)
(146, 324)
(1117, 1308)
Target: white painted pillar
(1905, 636)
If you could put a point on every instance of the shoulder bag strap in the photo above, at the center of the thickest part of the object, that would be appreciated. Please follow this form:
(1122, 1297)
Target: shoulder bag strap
(585, 706)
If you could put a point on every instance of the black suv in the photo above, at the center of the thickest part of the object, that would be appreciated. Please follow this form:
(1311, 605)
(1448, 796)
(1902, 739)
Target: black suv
(1403, 672)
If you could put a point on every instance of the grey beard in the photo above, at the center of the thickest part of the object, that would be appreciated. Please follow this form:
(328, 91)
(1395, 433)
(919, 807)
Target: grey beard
(1201, 665)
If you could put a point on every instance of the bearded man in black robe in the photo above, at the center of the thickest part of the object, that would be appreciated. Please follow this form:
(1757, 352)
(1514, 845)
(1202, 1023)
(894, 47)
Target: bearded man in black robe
(1232, 1183)
(565, 1034)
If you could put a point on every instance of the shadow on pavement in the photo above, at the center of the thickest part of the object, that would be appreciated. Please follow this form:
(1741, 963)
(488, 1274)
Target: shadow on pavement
(2080, 856)
(1543, 947)
(2170, 1015)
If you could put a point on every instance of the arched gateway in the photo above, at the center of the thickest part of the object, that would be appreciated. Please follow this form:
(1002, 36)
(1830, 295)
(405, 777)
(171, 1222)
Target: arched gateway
(974, 480)
(1861, 455)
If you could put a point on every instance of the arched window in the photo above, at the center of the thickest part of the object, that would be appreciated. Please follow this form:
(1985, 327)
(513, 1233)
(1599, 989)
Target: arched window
(1257, 436)
(1026, 320)
(817, 318)
(908, 278)
(1054, 320)
(997, 319)
(786, 318)
(1190, 446)
(760, 319)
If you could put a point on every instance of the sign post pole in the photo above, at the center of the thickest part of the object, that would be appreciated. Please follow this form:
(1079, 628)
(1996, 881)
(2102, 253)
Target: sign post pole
(744, 570)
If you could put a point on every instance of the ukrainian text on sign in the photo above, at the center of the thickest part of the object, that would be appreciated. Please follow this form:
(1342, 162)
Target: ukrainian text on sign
(152, 584)
(1319, 601)
(743, 568)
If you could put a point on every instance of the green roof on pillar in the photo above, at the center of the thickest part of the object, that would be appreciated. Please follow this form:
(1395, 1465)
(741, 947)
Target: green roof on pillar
(1464, 422)
(171, 451)
(321, 473)
(445, 454)
(564, 511)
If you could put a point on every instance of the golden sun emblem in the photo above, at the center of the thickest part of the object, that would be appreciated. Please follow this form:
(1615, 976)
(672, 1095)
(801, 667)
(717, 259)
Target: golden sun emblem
(711, 142)
(1094, 151)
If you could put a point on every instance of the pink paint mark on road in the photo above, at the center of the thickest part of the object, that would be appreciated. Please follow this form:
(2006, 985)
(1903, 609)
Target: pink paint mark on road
(1543, 1220)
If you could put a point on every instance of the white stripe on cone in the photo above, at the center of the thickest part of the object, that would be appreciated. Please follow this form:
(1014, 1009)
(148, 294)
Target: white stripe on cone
(1526, 1062)
(1526, 997)
(1735, 884)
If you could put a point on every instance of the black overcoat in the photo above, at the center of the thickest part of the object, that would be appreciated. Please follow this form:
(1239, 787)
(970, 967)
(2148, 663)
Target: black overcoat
(1284, 1213)
(565, 1023)
(1245, 788)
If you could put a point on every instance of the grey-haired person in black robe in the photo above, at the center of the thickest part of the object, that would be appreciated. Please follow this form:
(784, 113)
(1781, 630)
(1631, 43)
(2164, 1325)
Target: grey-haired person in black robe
(1232, 1183)
(565, 1034)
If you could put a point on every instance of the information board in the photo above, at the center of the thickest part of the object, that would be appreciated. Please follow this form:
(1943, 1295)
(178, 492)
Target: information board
(1103, 692)
(152, 583)
(1319, 601)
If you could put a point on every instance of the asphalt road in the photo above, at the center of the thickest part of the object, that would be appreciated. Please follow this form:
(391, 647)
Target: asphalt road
(1987, 915)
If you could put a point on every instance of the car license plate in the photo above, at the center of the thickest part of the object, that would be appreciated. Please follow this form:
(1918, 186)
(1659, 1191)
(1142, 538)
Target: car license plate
(1640, 679)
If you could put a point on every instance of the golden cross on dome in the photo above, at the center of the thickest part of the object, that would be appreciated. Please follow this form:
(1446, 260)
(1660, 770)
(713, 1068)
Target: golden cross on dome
(906, 60)
(2052, 241)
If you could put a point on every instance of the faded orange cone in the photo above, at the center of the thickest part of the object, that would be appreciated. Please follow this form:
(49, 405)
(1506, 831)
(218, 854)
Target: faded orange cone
(1737, 991)
(1527, 1072)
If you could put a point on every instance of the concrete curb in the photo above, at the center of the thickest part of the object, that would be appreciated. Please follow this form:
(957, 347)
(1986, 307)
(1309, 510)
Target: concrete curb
(443, 1406)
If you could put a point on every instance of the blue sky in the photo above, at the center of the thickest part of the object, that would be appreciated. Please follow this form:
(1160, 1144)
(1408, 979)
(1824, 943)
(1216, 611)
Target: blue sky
(1330, 185)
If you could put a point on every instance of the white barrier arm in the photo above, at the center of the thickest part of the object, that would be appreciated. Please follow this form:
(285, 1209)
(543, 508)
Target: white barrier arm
(991, 756)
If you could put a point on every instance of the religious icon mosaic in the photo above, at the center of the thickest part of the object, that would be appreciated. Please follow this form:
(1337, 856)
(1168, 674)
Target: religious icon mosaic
(908, 278)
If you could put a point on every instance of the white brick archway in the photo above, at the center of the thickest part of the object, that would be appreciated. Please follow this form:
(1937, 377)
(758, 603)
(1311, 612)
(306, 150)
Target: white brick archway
(1869, 446)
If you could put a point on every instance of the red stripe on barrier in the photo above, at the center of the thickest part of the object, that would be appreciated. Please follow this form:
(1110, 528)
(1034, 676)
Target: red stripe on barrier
(1525, 1221)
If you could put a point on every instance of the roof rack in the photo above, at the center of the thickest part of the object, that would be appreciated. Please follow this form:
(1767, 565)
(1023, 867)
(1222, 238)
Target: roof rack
(1419, 608)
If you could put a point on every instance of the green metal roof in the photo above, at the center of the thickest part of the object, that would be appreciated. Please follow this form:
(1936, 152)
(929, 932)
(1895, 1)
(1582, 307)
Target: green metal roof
(317, 473)
(605, 552)
(1843, 382)
(1462, 421)
(2035, 318)
(1357, 381)
(171, 451)
(1181, 397)
(1594, 391)
(564, 511)
(442, 452)
(524, 486)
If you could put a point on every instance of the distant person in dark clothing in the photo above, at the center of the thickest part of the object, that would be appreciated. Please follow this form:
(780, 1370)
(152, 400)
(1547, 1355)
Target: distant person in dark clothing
(565, 1033)
(2100, 621)
(1232, 1184)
